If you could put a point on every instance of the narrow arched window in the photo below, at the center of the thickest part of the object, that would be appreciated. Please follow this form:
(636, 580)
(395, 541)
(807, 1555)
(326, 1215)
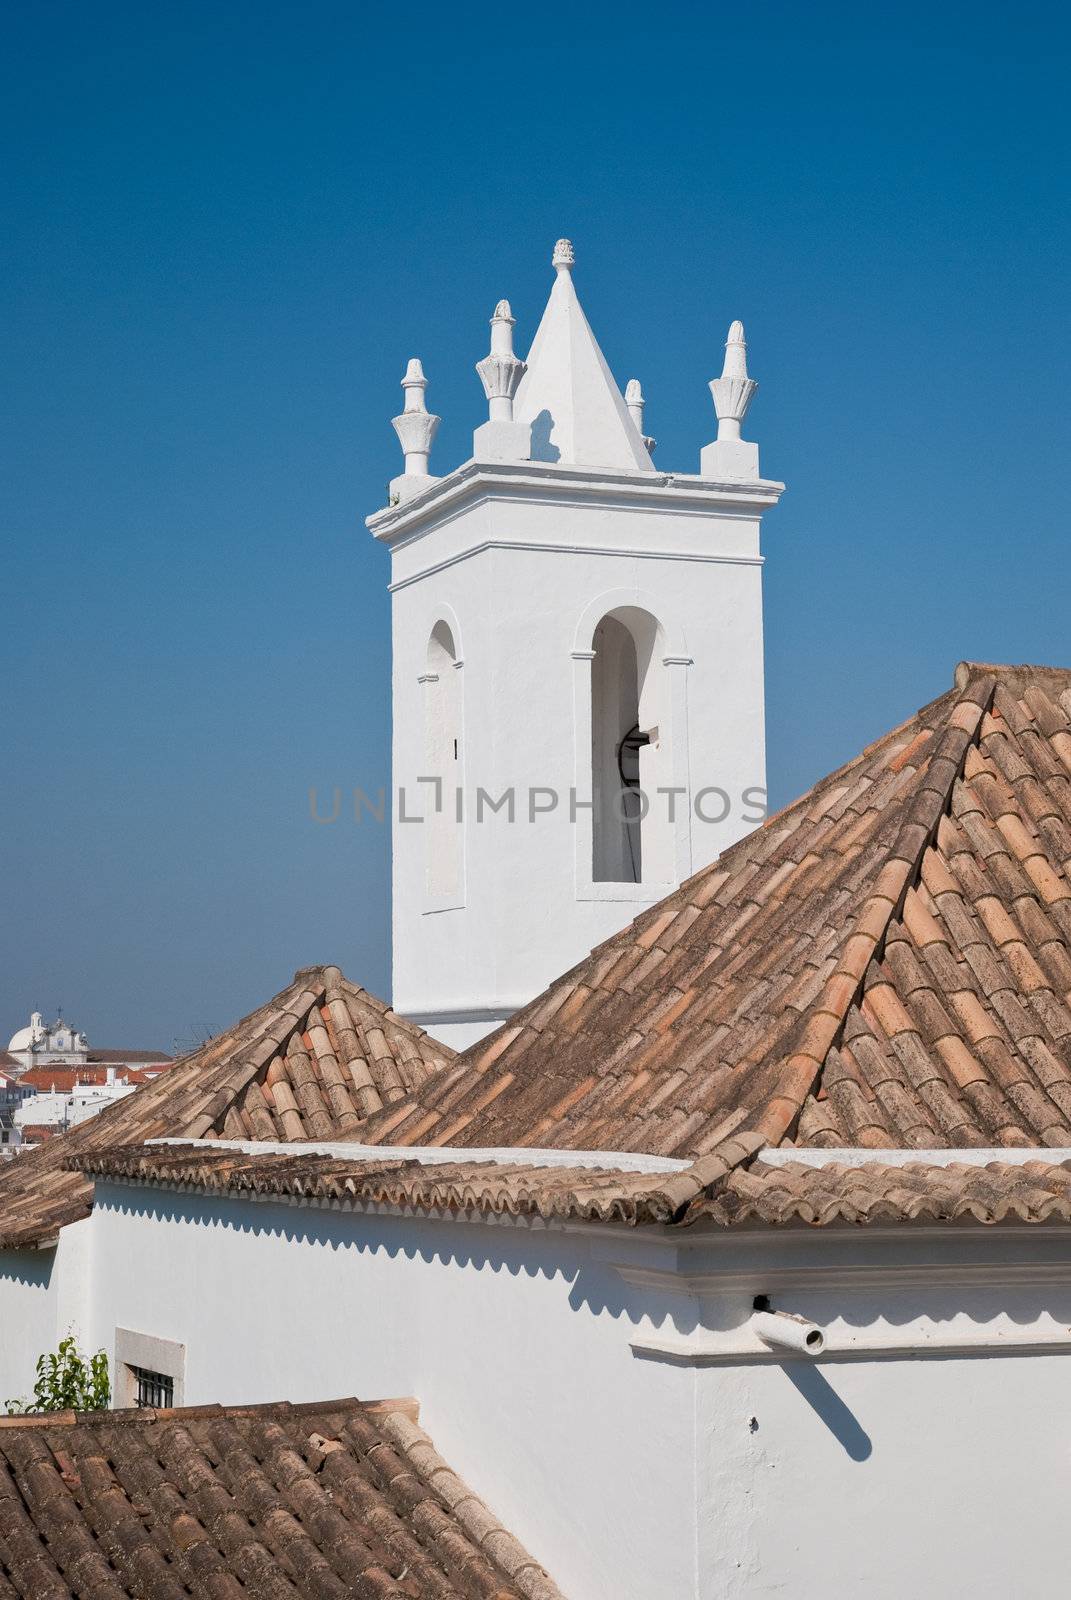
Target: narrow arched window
(442, 766)
(631, 831)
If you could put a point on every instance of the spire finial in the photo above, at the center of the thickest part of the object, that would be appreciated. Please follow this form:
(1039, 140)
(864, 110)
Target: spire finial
(735, 364)
(500, 372)
(635, 402)
(734, 391)
(730, 456)
(416, 428)
(563, 259)
(414, 383)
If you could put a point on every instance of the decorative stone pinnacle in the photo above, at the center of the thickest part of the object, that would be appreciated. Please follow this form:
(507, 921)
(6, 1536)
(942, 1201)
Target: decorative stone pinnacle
(501, 371)
(735, 365)
(414, 383)
(635, 402)
(734, 391)
(563, 259)
(416, 427)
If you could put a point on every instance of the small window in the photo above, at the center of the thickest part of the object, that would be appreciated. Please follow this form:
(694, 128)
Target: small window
(154, 1389)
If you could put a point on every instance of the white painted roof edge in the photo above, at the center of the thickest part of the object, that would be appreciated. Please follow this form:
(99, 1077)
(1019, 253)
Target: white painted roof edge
(624, 1160)
(439, 1155)
(847, 1156)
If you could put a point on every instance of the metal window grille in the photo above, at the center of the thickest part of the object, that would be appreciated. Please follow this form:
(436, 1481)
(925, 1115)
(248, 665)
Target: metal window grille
(153, 1388)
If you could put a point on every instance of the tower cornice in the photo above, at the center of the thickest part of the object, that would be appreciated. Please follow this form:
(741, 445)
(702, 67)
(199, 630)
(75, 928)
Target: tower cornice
(479, 480)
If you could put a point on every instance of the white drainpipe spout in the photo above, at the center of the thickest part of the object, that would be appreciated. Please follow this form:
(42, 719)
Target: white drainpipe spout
(785, 1331)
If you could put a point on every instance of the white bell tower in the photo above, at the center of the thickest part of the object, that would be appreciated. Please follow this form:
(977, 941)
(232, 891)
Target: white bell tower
(578, 669)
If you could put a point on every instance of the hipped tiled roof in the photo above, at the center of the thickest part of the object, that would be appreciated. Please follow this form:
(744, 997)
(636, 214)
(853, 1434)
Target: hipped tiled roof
(311, 1064)
(313, 1502)
(885, 963)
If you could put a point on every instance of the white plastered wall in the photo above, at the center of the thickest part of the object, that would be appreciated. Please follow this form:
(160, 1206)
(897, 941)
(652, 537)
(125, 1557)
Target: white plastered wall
(44, 1294)
(601, 1389)
(515, 1344)
(926, 1455)
(885, 1478)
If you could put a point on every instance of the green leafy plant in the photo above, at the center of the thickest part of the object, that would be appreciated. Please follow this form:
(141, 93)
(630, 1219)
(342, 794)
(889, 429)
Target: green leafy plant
(68, 1381)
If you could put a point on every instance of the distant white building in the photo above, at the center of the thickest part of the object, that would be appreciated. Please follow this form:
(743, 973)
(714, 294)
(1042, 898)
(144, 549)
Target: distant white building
(48, 1044)
(51, 1079)
(53, 1111)
(58, 1044)
(12, 1095)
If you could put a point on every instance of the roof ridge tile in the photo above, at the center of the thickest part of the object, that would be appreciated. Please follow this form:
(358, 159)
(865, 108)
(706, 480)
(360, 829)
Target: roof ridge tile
(803, 1067)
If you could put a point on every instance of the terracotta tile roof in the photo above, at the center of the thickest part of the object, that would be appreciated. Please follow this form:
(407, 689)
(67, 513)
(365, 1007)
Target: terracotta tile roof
(64, 1079)
(455, 1186)
(886, 962)
(96, 1061)
(1035, 1191)
(311, 1064)
(319, 1501)
(132, 1058)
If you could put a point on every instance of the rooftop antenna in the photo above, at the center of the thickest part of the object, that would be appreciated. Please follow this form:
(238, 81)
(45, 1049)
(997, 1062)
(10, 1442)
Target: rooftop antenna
(185, 1044)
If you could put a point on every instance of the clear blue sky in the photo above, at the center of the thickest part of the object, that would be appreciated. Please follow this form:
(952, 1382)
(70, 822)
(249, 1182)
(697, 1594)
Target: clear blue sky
(226, 228)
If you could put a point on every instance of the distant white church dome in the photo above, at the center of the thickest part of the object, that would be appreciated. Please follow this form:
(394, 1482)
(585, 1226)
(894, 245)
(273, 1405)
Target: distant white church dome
(49, 1043)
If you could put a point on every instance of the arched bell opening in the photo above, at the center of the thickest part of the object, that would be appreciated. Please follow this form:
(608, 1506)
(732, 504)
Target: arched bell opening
(442, 765)
(631, 831)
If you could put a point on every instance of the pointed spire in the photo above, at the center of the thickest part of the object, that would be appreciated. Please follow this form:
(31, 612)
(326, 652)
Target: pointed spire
(568, 395)
(416, 428)
(635, 402)
(500, 438)
(730, 456)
